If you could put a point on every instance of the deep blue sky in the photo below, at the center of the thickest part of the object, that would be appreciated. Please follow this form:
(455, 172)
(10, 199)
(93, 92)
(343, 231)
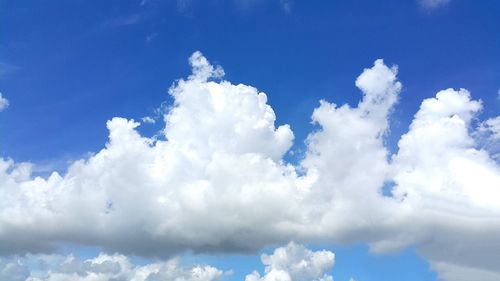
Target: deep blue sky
(68, 66)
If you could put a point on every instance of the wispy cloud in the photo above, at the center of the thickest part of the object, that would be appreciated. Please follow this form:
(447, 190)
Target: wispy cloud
(185, 6)
(124, 20)
(286, 5)
(7, 68)
(151, 37)
(433, 4)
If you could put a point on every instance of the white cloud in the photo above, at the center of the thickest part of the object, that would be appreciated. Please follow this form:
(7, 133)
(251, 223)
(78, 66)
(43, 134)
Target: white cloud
(449, 188)
(202, 69)
(218, 181)
(148, 120)
(222, 157)
(4, 103)
(294, 262)
(492, 127)
(101, 268)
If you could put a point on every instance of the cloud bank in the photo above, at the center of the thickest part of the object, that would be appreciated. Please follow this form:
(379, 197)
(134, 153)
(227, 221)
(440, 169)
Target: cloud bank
(291, 262)
(101, 268)
(217, 181)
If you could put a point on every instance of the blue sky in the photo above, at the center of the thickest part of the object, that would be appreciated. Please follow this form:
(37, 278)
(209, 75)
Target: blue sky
(67, 67)
(81, 57)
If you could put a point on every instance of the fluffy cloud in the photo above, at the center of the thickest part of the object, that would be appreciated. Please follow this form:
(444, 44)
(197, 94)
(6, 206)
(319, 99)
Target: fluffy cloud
(217, 176)
(101, 268)
(4, 103)
(217, 180)
(148, 120)
(294, 262)
(448, 187)
(492, 126)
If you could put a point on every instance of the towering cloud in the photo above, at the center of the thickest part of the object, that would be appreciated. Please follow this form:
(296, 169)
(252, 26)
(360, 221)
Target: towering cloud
(217, 181)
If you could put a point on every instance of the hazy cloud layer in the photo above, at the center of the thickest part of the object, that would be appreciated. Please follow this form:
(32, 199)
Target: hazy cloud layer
(218, 181)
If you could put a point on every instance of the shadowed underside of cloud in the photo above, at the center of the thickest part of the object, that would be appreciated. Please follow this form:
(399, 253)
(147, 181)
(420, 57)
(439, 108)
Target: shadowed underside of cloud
(218, 182)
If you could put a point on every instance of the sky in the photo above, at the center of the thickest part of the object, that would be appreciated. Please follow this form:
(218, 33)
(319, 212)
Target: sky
(273, 140)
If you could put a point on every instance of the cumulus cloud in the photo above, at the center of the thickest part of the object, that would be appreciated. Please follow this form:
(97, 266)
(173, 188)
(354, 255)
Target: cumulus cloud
(103, 267)
(148, 120)
(220, 166)
(449, 187)
(492, 127)
(4, 103)
(217, 181)
(294, 262)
